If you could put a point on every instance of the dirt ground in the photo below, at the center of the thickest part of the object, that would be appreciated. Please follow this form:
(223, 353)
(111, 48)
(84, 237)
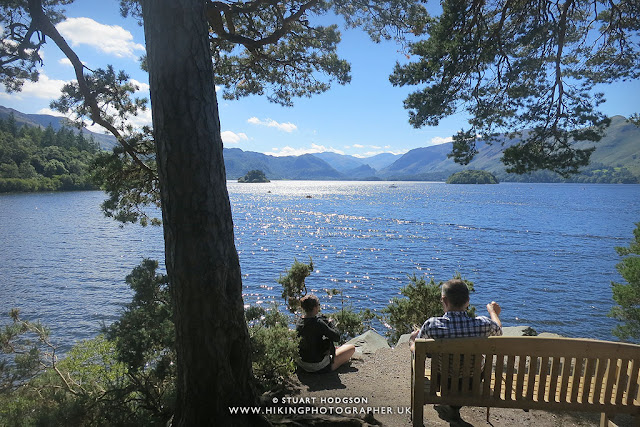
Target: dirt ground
(380, 384)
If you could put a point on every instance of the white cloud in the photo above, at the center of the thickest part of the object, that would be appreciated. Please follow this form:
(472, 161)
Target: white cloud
(44, 88)
(109, 39)
(439, 140)
(285, 127)
(142, 119)
(93, 128)
(290, 151)
(229, 137)
(374, 153)
(50, 112)
(65, 61)
(358, 146)
(142, 87)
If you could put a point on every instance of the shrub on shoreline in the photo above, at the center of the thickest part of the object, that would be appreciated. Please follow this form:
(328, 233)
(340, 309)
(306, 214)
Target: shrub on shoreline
(421, 301)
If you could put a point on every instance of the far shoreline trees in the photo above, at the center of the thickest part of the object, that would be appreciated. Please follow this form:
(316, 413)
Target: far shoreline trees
(36, 159)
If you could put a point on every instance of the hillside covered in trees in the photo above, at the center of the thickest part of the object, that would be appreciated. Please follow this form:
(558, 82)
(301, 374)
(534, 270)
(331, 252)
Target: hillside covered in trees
(37, 159)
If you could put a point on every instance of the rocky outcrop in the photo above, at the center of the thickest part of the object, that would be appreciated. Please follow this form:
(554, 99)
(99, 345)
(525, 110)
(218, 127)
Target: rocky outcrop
(369, 342)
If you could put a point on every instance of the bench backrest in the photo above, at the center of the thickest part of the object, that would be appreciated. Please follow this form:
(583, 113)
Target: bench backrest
(532, 372)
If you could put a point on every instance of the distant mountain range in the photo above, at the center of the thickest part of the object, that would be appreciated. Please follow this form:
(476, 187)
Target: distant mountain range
(619, 149)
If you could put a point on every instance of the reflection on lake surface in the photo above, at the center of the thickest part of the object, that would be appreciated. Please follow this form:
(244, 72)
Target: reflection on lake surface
(544, 251)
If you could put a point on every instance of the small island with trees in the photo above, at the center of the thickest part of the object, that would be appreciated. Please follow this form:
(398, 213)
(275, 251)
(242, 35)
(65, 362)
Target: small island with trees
(254, 176)
(472, 177)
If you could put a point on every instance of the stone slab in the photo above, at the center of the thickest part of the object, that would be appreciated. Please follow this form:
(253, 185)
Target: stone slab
(369, 342)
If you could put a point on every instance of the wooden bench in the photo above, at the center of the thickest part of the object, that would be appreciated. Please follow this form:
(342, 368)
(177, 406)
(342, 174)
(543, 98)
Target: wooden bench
(527, 373)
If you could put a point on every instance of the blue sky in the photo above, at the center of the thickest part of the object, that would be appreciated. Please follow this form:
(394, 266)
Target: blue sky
(363, 118)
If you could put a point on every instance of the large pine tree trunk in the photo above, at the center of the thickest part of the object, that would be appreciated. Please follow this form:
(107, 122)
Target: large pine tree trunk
(214, 366)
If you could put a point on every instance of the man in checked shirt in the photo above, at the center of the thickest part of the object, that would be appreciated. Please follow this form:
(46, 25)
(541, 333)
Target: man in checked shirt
(456, 323)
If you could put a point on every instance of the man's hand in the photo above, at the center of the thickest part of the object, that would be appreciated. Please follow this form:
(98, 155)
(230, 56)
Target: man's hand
(412, 340)
(494, 307)
(494, 310)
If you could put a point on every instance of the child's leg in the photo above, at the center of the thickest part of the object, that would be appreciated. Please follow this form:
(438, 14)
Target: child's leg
(343, 354)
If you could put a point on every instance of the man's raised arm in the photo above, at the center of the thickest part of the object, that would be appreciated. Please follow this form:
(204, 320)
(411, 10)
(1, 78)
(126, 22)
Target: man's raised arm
(494, 310)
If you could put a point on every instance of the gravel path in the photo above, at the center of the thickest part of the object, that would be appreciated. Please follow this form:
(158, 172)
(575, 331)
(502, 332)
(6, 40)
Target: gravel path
(379, 383)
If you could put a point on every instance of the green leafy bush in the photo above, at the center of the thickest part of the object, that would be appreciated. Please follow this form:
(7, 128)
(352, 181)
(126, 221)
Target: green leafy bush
(274, 346)
(144, 337)
(89, 386)
(348, 322)
(124, 378)
(421, 301)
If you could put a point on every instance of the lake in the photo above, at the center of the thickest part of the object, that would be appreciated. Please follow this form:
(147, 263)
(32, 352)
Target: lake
(545, 252)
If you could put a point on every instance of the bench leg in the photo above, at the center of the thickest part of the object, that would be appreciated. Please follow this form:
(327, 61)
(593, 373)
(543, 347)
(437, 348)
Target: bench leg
(417, 415)
(488, 415)
(417, 388)
(606, 422)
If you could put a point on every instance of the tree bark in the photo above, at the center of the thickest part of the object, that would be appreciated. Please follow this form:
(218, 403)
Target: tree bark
(213, 348)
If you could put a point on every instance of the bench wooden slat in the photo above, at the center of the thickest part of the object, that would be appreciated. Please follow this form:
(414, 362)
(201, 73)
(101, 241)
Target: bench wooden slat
(454, 374)
(609, 386)
(486, 381)
(575, 384)
(622, 380)
(587, 378)
(522, 367)
(467, 370)
(435, 367)
(444, 367)
(554, 392)
(531, 378)
(601, 372)
(510, 377)
(497, 386)
(635, 383)
(567, 366)
(542, 381)
(477, 374)
(603, 383)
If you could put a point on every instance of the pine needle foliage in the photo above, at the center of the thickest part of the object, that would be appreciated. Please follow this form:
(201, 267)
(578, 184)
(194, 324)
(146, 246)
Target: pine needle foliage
(627, 295)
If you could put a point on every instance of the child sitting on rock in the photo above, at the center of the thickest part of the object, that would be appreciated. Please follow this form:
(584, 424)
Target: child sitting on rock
(317, 335)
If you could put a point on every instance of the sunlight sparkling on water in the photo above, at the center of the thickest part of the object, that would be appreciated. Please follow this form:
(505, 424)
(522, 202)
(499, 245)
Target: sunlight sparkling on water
(544, 251)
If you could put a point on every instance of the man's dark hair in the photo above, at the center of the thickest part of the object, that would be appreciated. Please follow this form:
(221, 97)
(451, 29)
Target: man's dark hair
(456, 291)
